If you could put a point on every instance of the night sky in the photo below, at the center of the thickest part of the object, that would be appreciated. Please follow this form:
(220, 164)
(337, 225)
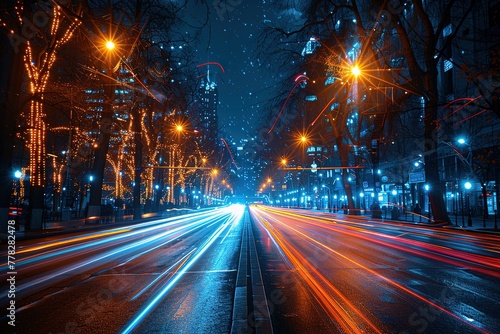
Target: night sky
(245, 85)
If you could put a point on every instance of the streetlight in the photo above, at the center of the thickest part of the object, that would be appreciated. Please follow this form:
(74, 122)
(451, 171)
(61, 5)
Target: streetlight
(110, 45)
(156, 198)
(426, 187)
(328, 202)
(467, 160)
(468, 186)
(362, 197)
(111, 63)
(355, 70)
(18, 175)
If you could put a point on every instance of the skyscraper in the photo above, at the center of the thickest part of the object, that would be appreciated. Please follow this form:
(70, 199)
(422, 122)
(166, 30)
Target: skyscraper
(208, 119)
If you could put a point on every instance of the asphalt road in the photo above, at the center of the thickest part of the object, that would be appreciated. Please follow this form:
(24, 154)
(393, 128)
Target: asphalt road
(173, 275)
(324, 275)
(319, 274)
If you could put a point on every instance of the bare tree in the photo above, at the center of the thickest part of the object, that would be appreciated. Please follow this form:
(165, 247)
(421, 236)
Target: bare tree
(149, 28)
(41, 42)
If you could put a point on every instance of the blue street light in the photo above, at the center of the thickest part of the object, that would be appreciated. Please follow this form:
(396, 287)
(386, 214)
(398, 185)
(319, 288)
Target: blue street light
(468, 186)
(467, 160)
(328, 199)
(427, 187)
(18, 175)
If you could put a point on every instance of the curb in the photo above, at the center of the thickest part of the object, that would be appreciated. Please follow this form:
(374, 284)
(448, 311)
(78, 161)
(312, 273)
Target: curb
(444, 225)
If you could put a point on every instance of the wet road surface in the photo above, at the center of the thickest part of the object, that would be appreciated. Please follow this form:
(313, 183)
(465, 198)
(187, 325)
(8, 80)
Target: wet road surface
(356, 275)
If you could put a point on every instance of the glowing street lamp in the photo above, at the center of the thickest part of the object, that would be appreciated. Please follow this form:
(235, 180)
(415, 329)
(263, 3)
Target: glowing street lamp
(284, 162)
(355, 70)
(468, 186)
(111, 61)
(467, 160)
(328, 202)
(110, 45)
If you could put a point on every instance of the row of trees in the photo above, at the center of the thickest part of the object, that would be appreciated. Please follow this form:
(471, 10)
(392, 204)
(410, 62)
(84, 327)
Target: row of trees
(106, 82)
(397, 105)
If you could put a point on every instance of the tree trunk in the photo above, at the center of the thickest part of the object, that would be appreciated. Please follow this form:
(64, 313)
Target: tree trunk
(35, 219)
(435, 192)
(37, 131)
(137, 164)
(101, 151)
(344, 161)
(11, 67)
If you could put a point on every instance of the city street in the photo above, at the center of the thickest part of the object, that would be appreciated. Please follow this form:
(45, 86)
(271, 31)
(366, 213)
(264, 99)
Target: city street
(356, 275)
(319, 274)
(250, 167)
(164, 276)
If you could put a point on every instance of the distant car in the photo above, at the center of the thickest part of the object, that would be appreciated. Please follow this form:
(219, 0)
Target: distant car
(15, 211)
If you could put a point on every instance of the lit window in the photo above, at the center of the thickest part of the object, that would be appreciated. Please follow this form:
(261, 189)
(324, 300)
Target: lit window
(448, 65)
(447, 30)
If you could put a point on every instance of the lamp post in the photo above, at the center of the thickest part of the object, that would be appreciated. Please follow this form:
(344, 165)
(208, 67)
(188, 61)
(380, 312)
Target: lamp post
(462, 141)
(426, 187)
(328, 202)
(157, 198)
(362, 200)
(101, 151)
(18, 175)
(468, 186)
(468, 162)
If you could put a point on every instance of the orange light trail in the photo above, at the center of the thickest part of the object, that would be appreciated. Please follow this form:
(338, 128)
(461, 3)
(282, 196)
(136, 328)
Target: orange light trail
(264, 215)
(344, 313)
(428, 250)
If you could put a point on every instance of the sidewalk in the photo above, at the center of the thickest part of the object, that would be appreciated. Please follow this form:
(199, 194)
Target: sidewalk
(476, 223)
